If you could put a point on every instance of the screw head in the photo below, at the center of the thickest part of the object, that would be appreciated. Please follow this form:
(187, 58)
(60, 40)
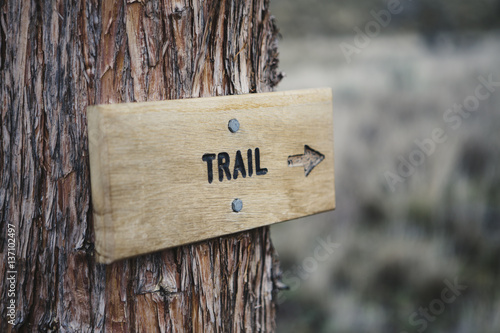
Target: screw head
(237, 205)
(233, 125)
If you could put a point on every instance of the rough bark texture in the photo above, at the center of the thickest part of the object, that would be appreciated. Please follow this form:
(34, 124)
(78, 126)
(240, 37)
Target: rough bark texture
(57, 57)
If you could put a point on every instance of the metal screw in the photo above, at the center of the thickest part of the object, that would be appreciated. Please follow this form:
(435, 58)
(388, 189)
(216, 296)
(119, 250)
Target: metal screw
(234, 125)
(237, 205)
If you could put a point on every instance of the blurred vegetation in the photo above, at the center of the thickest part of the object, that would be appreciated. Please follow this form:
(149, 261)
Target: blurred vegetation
(299, 18)
(397, 249)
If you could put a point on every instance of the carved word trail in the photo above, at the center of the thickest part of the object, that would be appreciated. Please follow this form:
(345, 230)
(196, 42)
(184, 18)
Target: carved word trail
(238, 168)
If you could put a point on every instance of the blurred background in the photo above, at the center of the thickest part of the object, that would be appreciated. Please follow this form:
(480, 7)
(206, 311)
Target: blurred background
(414, 244)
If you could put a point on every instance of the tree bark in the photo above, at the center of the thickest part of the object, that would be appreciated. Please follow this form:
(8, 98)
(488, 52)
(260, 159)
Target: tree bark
(57, 57)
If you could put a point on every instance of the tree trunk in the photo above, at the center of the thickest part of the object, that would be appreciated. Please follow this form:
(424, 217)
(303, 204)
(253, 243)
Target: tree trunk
(57, 57)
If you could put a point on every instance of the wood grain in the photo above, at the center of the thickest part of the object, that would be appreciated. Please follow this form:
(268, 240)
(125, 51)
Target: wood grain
(57, 57)
(150, 185)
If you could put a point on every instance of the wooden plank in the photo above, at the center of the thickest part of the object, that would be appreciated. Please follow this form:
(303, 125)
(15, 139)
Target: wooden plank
(150, 166)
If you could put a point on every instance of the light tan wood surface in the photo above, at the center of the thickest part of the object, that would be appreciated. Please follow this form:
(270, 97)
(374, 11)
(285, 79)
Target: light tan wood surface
(150, 184)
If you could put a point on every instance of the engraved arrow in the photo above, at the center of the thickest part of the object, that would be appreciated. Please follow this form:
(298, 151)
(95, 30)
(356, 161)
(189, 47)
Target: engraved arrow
(308, 160)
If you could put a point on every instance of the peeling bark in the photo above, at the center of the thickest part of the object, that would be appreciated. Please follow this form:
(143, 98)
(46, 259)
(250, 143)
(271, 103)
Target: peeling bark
(57, 57)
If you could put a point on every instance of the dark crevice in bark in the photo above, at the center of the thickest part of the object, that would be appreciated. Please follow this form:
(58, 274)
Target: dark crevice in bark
(3, 41)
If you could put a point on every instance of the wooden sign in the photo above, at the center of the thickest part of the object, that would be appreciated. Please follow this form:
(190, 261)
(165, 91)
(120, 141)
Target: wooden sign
(169, 173)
